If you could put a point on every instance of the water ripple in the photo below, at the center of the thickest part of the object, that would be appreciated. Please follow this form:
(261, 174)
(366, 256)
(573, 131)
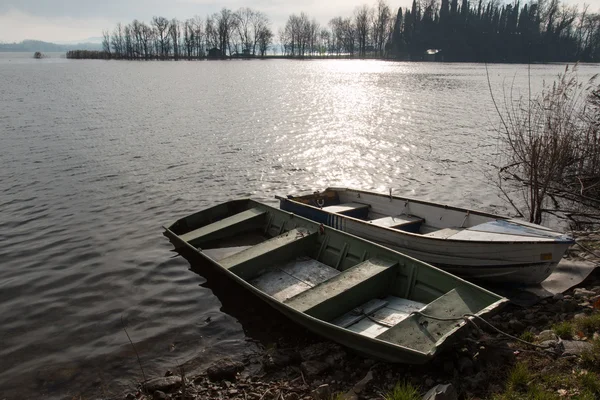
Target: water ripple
(97, 156)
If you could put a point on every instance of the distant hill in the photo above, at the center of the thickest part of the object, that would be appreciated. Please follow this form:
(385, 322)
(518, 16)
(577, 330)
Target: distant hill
(38, 45)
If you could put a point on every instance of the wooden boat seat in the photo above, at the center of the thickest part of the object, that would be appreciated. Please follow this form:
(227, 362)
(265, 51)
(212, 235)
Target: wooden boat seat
(408, 223)
(250, 262)
(421, 333)
(377, 315)
(301, 274)
(244, 221)
(349, 289)
(356, 210)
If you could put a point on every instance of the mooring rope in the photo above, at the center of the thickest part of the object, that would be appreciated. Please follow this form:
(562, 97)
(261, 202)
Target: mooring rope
(590, 252)
(466, 317)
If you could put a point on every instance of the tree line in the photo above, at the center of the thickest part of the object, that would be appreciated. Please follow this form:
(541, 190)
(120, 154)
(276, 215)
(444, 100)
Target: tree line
(244, 32)
(538, 31)
(474, 30)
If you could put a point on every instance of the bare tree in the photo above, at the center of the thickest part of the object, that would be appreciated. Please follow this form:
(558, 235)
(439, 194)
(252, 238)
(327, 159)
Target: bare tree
(225, 24)
(381, 25)
(261, 31)
(337, 35)
(106, 42)
(265, 38)
(244, 17)
(161, 24)
(553, 149)
(212, 35)
(117, 41)
(325, 42)
(197, 25)
(361, 18)
(128, 42)
(175, 34)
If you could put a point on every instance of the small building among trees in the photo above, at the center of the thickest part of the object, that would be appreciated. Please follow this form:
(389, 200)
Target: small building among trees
(215, 53)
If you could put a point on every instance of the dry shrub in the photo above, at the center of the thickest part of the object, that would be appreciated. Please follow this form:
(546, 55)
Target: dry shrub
(553, 150)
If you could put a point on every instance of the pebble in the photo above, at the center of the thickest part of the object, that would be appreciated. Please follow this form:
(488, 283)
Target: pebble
(581, 292)
(547, 335)
(575, 348)
(313, 367)
(159, 395)
(558, 296)
(465, 365)
(224, 368)
(516, 325)
(323, 392)
(164, 383)
(569, 305)
(448, 367)
(317, 350)
(441, 392)
(477, 380)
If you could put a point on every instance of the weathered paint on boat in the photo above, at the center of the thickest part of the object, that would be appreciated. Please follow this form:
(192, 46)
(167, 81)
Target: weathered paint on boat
(472, 244)
(347, 289)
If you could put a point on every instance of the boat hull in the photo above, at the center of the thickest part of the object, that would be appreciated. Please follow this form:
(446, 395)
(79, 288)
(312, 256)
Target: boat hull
(498, 261)
(416, 280)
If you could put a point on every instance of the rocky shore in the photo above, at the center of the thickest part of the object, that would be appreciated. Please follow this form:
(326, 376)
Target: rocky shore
(548, 351)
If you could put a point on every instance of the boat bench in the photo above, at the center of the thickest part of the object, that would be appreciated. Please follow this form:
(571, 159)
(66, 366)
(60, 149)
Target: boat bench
(420, 333)
(250, 262)
(349, 289)
(407, 223)
(237, 223)
(355, 210)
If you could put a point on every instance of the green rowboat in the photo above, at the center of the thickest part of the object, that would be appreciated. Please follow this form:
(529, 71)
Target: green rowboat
(374, 300)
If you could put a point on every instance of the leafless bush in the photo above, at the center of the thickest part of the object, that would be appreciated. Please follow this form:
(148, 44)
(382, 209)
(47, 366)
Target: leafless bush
(552, 150)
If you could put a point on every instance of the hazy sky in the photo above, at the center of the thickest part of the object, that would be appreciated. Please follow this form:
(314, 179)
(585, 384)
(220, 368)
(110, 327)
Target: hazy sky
(75, 20)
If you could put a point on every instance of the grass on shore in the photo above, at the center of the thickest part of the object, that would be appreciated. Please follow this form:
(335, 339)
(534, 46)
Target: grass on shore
(403, 391)
(563, 330)
(537, 378)
(534, 379)
(588, 324)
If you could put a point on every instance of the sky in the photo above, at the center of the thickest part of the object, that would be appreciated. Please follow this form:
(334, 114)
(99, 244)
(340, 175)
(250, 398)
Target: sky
(78, 20)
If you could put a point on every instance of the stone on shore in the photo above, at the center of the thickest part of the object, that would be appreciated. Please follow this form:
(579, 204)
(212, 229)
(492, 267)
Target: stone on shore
(575, 347)
(547, 335)
(323, 392)
(313, 368)
(224, 369)
(516, 325)
(441, 392)
(318, 350)
(162, 384)
(581, 292)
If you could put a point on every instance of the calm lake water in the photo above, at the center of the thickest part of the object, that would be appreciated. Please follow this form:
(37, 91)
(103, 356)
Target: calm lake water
(95, 156)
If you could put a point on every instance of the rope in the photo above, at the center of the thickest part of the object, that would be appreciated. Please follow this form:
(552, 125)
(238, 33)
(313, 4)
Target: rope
(588, 250)
(466, 317)
(377, 321)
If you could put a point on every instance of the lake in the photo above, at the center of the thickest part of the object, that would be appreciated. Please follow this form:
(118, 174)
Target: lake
(97, 155)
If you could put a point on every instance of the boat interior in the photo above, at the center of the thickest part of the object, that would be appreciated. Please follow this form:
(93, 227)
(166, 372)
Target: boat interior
(423, 218)
(333, 277)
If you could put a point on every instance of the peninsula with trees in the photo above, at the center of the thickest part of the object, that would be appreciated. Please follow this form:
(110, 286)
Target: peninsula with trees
(469, 30)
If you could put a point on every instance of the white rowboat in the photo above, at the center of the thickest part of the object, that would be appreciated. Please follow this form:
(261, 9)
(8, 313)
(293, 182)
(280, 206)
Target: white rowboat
(472, 244)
